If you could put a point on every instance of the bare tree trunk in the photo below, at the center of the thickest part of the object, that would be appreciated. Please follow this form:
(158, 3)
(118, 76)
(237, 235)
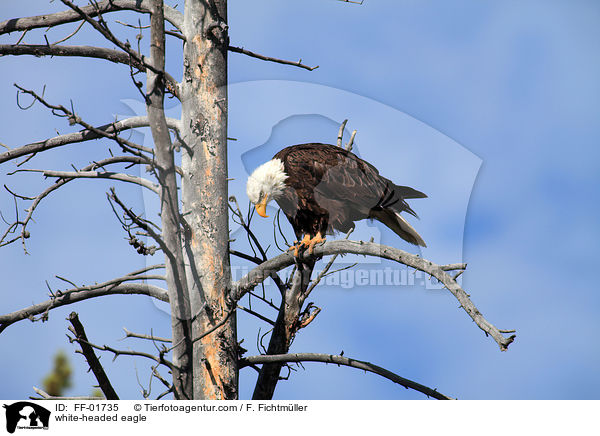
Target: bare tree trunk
(165, 162)
(286, 326)
(205, 197)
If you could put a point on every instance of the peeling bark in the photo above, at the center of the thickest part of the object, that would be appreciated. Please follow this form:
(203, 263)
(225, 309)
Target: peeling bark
(204, 187)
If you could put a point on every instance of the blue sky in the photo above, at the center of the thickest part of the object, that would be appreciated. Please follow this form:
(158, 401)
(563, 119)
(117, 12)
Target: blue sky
(491, 108)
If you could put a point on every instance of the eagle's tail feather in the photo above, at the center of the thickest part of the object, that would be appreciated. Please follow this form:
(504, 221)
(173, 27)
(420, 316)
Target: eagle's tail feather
(408, 192)
(399, 225)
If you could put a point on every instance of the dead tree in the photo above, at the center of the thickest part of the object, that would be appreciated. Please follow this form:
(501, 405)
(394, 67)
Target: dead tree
(203, 355)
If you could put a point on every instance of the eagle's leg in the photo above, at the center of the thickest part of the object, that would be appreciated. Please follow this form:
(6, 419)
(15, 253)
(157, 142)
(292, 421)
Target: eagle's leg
(316, 240)
(298, 244)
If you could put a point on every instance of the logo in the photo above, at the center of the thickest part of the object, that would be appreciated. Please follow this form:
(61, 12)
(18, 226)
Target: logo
(26, 415)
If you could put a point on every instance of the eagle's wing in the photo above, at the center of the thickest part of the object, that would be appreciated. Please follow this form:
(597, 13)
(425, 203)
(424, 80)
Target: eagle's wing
(332, 173)
(348, 188)
(346, 177)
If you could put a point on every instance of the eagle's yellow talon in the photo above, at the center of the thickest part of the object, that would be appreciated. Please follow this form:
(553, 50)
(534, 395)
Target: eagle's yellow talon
(306, 242)
(298, 244)
(314, 241)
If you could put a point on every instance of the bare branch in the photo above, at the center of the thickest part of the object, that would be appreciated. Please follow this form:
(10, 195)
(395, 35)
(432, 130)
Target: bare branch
(172, 15)
(69, 36)
(145, 269)
(10, 241)
(454, 267)
(341, 360)
(22, 36)
(129, 334)
(84, 135)
(139, 27)
(256, 314)
(341, 133)
(264, 300)
(112, 55)
(240, 216)
(158, 359)
(70, 50)
(165, 393)
(246, 226)
(269, 58)
(156, 374)
(92, 359)
(46, 396)
(113, 287)
(102, 27)
(251, 258)
(258, 274)
(141, 223)
(73, 118)
(96, 175)
(351, 142)
(216, 326)
(61, 182)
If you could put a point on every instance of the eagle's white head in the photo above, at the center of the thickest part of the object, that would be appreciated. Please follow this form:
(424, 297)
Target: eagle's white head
(266, 183)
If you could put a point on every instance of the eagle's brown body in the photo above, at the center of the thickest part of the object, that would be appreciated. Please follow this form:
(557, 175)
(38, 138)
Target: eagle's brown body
(329, 188)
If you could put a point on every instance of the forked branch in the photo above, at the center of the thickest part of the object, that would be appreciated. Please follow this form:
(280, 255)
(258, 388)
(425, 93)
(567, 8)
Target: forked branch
(73, 118)
(160, 359)
(86, 51)
(102, 27)
(40, 311)
(346, 361)
(59, 183)
(106, 131)
(440, 272)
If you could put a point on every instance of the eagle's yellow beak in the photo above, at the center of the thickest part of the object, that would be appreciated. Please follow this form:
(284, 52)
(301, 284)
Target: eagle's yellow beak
(261, 208)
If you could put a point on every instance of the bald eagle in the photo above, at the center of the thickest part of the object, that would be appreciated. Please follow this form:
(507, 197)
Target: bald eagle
(322, 188)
